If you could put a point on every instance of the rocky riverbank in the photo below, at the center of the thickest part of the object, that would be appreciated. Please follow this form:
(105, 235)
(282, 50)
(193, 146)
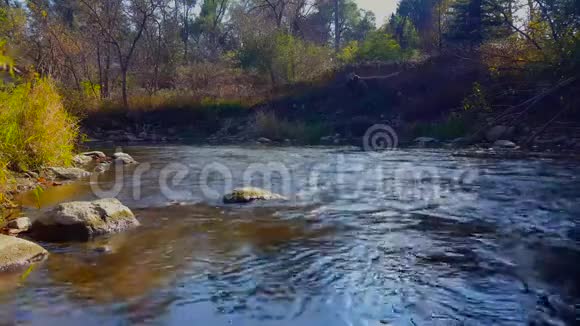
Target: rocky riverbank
(84, 166)
(73, 221)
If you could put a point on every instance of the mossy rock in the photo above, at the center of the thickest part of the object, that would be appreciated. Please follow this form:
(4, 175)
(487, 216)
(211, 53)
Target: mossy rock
(17, 253)
(248, 195)
(84, 220)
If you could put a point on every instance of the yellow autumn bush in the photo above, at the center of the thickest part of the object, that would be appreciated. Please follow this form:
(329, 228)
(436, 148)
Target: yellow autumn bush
(35, 129)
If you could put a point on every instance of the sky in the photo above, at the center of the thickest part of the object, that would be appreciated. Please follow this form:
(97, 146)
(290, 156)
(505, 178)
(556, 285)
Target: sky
(382, 8)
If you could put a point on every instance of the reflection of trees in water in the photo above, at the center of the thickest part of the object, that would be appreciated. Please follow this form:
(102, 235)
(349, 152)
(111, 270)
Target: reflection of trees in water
(198, 246)
(56, 195)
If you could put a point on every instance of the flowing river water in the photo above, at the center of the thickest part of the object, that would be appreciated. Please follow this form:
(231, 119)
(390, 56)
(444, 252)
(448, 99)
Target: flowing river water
(408, 237)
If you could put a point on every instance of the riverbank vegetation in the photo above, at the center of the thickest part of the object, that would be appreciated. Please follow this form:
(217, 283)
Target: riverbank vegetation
(444, 68)
(35, 130)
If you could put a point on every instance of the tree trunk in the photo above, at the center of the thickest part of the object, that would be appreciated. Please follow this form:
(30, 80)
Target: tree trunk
(124, 86)
(337, 31)
(106, 71)
(100, 67)
(440, 26)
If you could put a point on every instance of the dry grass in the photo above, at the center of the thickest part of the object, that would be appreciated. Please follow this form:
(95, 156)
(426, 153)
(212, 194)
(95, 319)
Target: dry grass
(35, 130)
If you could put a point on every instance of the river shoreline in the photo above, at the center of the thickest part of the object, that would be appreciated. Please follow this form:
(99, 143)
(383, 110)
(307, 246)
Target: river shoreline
(505, 231)
(24, 182)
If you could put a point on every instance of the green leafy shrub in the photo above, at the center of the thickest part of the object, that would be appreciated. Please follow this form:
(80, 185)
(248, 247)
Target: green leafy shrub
(380, 46)
(285, 58)
(477, 100)
(350, 53)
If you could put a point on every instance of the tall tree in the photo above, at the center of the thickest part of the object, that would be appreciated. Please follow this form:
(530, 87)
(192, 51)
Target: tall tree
(122, 27)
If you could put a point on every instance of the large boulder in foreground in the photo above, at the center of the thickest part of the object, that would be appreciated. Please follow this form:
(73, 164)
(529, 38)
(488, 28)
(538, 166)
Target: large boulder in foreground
(16, 253)
(248, 195)
(82, 221)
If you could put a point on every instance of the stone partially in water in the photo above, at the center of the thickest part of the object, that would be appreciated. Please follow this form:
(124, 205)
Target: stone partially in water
(95, 155)
(68, 173)
(264, 140)
(16, 253)
(21, 224)
(504, 144)
(82, 160)
(87, 158)
(124, 158)
(84, 220)
(247, 195)
(102, 167)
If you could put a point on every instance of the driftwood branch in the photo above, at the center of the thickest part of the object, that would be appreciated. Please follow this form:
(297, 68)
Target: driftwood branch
(545, 126)
(527, 105)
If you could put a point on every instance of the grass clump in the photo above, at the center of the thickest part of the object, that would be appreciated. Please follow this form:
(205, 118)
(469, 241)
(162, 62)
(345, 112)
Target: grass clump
(271, 126)
(35, 129)
(452, 127)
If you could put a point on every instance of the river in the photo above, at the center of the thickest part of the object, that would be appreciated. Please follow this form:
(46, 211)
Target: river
(407, 237)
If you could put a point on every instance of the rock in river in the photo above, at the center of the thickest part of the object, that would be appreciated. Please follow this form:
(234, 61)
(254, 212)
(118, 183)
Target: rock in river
(82, 160)
(87, 158)
(247, 195)
(124, 158)
(95, 155)
(16, 253)
(504, 144)
(19, 225)
(264, 140)
(84, 220)
(69, 173)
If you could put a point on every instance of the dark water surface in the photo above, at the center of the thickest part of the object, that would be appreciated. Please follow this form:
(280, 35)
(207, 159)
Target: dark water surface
(412, 237)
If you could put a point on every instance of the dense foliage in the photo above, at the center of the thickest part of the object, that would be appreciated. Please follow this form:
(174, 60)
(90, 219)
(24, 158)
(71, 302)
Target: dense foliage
(35, 129)
(171, 53)
(117, 49)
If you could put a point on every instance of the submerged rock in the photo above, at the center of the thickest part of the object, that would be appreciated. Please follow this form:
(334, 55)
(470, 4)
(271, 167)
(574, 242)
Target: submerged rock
(69, 173)
(17, 253)
(84, 220)
(247, 195)
(124, 158)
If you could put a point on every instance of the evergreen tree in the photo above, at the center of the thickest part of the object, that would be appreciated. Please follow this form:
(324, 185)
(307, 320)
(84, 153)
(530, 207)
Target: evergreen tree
(474, 21)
